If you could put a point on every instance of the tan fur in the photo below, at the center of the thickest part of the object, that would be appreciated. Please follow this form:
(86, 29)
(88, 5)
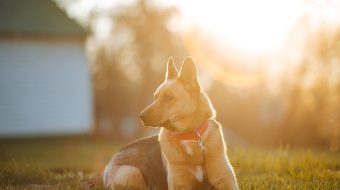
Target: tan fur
(181, 160)
(180, 105)
(123, 175)
(180, 164)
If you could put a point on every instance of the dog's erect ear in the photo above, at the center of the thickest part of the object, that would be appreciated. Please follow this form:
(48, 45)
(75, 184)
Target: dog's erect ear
(188, 70)
(171, 72)
(188, 73)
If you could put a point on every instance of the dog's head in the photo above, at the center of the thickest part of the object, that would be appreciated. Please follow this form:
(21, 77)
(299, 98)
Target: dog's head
(179, 102)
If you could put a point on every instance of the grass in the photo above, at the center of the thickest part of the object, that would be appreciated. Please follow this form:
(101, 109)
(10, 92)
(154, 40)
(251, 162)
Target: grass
(69, 162)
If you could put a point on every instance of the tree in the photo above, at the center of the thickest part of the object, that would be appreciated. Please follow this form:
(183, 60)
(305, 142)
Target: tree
(131, 62)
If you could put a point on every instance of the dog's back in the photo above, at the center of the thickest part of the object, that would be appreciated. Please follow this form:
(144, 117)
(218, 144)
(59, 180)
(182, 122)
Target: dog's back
(144, 155)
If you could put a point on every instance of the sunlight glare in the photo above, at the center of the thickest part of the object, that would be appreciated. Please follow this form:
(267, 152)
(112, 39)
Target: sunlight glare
(251, 26)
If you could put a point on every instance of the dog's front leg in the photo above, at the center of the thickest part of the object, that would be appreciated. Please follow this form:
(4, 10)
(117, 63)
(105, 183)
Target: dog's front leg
(180, 177)
(221, 174)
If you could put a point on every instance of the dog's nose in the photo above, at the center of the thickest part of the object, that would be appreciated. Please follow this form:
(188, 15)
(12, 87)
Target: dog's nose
(142, 115)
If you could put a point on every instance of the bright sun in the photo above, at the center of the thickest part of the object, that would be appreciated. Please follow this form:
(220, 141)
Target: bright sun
(250, 26)
(248, 29)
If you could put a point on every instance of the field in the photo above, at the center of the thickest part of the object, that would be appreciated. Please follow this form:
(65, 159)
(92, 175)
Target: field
(68, 163)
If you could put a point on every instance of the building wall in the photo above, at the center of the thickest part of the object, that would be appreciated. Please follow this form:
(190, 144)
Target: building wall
(45, 88)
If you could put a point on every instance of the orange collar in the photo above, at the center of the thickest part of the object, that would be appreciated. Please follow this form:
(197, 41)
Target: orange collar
(192, 135)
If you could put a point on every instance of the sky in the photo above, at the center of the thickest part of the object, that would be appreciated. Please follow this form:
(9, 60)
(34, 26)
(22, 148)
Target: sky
(250, 26)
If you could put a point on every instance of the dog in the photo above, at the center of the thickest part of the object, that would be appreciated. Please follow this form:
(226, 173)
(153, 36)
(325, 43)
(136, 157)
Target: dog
(189, 151)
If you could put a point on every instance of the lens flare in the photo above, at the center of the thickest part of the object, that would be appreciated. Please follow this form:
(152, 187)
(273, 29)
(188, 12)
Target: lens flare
(218, 71)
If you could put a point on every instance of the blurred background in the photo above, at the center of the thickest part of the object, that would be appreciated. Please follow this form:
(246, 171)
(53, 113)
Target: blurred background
(271, 68)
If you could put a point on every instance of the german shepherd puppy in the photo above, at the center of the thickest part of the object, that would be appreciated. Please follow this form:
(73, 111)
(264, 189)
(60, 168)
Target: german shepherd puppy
(189, 151)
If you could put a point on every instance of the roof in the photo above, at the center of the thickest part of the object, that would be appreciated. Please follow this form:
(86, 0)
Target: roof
(36, 17)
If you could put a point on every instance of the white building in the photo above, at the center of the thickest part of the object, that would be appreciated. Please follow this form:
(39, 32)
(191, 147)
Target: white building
(45, 85)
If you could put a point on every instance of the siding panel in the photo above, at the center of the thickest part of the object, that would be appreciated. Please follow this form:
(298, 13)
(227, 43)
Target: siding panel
(44, 88)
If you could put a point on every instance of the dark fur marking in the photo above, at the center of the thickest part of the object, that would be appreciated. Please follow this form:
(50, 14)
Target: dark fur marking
(145, 154)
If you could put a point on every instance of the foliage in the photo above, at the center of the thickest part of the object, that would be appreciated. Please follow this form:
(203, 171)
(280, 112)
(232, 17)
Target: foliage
(303, 109)
(129, 64)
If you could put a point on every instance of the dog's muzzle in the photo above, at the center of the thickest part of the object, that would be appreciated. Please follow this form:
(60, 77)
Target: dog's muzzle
(149, 120)
(165, 123)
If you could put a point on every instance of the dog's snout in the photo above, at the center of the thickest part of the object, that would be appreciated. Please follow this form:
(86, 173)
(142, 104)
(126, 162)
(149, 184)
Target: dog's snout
(149, 118)
(142, 115)
(145, 115)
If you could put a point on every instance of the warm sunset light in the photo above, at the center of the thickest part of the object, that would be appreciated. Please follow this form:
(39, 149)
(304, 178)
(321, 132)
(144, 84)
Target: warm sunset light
(170, 94)
(249, 35)
(251, 26)
(254, 27)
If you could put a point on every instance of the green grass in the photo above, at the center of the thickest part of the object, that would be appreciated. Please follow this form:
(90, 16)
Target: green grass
(69, 162)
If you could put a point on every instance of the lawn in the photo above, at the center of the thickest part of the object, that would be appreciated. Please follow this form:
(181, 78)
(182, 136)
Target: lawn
(68, 163)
